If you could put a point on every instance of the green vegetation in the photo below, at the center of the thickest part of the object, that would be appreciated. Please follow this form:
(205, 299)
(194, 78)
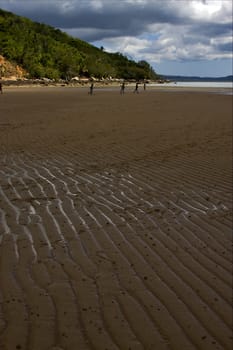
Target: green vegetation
(44, 51)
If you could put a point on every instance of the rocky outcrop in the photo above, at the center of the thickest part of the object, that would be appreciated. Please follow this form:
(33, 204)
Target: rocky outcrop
(11, 71)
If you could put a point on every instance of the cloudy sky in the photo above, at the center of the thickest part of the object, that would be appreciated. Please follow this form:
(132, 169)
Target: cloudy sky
(184, 37)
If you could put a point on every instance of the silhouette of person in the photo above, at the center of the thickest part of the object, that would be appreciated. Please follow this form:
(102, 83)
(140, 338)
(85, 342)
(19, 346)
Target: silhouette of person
(1, 88)
(122, 91)
(91, 89)
(136, 88)
(144, 86)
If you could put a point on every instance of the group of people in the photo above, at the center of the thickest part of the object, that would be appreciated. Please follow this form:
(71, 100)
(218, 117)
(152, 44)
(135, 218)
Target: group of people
(122, 88)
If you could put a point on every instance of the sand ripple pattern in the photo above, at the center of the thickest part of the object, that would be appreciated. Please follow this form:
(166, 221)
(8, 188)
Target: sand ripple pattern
(114, 258)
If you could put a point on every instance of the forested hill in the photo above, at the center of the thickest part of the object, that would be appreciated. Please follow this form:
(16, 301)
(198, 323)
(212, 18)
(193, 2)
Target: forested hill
(44, 51)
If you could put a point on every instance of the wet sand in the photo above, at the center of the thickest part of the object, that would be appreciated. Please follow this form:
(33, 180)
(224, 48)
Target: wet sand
(115, 220)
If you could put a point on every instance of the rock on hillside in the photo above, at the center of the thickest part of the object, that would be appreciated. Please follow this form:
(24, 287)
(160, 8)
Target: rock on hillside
(10, 71)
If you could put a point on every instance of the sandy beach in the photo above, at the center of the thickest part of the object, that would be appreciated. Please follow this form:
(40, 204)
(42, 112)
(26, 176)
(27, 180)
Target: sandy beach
(115, 219)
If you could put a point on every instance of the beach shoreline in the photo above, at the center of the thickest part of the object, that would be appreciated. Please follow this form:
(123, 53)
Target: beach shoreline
(112, 86)
(115, 219)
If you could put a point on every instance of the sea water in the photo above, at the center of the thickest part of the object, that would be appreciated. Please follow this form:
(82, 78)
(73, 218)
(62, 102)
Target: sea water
(222, 87)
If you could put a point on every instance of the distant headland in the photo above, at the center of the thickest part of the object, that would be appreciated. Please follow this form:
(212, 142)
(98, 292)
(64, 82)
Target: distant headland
(228, 78)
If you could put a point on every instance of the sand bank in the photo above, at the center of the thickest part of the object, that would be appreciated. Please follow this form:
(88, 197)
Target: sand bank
(115, 220)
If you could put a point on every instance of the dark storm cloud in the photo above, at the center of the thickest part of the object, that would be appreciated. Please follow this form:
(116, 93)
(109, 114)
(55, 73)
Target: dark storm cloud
(203, 33)
(120, 17)
(212, 29)
(183, 28)
(227, 47)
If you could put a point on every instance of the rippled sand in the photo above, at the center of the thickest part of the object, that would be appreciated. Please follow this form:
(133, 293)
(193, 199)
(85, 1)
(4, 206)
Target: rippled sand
(115, 220)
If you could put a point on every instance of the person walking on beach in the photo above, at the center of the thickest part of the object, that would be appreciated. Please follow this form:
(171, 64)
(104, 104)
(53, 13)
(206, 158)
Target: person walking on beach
(91, 89)
(1, 88)
(136, 88)
(122, 91)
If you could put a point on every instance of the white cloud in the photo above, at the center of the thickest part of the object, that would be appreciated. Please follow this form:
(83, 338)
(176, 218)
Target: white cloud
(97, 5)
(205, 9)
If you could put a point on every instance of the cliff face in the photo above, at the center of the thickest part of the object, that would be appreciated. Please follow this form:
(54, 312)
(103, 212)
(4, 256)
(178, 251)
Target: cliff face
(10, 71)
